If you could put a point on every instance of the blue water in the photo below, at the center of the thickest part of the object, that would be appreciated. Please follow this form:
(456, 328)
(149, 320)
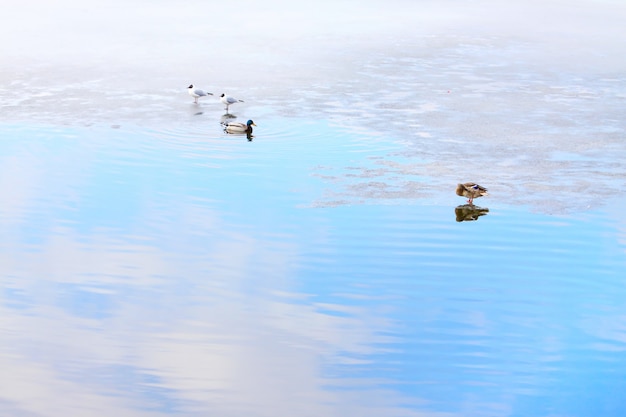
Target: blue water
(177, 270)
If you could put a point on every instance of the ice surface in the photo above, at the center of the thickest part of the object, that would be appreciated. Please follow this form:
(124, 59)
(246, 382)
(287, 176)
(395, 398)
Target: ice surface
(496, 93)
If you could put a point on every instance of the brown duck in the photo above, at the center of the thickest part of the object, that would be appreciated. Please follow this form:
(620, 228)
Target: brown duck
(471, 191)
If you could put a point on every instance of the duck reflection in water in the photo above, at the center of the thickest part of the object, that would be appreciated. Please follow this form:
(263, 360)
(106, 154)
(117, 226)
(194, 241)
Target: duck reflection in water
(469, 212)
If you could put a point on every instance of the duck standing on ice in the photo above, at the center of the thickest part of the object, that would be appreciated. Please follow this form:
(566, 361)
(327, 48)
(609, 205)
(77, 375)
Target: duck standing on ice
(471, 191)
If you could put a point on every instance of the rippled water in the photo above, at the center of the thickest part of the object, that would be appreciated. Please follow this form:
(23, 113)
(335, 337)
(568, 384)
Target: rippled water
(187, 272)
(152, 264)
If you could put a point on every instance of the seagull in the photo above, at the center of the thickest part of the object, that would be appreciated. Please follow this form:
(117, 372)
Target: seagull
(228, 100)
(471, 191)
(196, 93)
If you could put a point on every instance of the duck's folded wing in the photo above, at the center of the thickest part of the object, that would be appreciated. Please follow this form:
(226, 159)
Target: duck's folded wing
(476, 187)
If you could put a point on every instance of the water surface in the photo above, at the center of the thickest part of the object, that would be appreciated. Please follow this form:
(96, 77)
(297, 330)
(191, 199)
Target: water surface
(185, 272)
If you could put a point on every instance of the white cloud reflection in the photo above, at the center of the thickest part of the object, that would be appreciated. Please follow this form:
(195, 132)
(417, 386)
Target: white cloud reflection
(203, 342)
(178, 317)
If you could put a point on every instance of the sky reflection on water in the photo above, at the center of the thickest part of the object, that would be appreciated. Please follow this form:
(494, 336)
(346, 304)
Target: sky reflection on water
(164, 277)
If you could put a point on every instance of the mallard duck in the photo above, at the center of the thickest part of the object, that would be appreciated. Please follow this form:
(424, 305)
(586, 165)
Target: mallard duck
(196, 93)
(236, 127)
(228, 100)
(471, 191)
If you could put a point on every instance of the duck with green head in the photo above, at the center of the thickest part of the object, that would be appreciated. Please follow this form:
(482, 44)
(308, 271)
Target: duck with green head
(236, 127)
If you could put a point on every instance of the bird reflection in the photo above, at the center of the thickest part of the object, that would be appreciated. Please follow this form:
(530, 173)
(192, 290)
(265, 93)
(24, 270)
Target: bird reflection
(227, 118)
(469, 212)
(249, 135)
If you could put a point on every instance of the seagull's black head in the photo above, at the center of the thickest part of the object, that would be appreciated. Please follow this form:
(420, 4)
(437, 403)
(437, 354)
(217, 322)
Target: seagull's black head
(190, 86)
